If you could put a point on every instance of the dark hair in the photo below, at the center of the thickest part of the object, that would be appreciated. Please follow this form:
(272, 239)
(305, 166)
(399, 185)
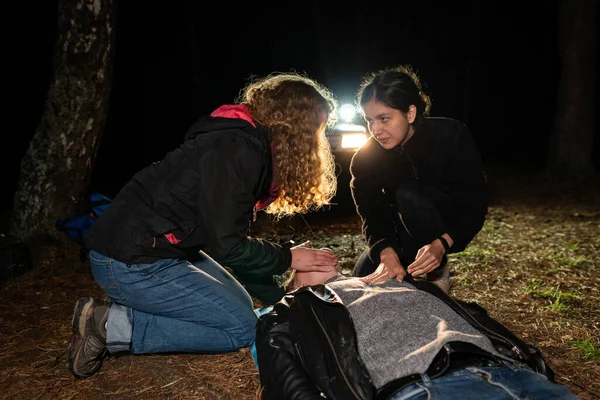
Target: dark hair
(397, 88)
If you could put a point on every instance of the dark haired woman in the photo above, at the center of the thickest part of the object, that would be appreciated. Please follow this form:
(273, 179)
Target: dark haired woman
(418, 182)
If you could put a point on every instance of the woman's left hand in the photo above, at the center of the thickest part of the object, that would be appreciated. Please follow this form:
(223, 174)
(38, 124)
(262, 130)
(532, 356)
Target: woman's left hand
(306, 259)
(429, 257)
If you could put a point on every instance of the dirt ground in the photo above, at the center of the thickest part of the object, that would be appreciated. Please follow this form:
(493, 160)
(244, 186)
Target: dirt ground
(534, 266)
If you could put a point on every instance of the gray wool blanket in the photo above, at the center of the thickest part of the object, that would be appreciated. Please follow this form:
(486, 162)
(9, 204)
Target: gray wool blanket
(399, 328)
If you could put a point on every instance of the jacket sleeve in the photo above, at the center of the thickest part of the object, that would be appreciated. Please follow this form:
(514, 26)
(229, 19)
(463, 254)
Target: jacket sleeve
(469, 191)
(231, 172)
(281, 375)
(372, 204)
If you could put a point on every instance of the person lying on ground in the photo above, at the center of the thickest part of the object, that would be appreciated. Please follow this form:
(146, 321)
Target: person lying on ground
(338, 337)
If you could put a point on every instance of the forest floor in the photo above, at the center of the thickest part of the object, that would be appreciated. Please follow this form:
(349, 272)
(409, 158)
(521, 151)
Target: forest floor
(534, 267)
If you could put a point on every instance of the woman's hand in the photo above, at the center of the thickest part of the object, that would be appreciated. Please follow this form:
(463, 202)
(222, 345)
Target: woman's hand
(389, 268)
(306, 259)
(428, 258)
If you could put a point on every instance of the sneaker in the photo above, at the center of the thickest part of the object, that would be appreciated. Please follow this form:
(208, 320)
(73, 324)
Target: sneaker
(87, 347)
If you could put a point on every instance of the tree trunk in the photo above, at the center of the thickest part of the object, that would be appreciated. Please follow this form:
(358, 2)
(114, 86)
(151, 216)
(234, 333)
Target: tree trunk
(56, 169)
(573, 136)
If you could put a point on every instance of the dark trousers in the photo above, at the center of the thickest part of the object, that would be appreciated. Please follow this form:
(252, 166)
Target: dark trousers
(417, 213)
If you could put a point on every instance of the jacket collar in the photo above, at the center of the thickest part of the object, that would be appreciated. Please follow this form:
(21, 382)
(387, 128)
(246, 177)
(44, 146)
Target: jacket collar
(234, 111)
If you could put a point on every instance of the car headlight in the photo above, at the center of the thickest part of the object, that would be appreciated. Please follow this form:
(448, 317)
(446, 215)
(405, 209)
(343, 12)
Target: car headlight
(353, 140)
(347, 112)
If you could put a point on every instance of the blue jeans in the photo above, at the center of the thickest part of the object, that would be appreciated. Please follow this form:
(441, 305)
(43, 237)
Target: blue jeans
(174, 306)
(490, 383)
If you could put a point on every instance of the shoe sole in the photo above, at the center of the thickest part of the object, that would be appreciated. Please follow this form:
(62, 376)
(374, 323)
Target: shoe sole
(77, 327)
(77, 323)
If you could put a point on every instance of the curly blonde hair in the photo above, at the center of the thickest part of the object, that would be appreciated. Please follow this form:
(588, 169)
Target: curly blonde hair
(296, 110)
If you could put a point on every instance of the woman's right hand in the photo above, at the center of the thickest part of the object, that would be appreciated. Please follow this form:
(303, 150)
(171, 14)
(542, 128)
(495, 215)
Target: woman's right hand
(389, 268)
(306, 259)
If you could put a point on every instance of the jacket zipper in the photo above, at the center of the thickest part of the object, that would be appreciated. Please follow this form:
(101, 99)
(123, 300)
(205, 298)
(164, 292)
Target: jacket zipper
(416, 175)
(412, 165)
(334, 353)
(405, 227)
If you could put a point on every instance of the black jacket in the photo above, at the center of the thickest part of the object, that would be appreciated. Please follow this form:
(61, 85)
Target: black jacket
(441, 156)
(201, 196)
(307, 345)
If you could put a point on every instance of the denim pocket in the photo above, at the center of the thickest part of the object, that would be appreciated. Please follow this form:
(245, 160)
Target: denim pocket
(102, 269)
(97, 258)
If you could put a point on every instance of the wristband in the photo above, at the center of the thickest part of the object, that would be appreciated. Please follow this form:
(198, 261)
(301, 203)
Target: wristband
(444, 243)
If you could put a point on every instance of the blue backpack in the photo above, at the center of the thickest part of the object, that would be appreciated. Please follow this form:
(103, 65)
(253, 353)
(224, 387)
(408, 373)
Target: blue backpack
(77, 227)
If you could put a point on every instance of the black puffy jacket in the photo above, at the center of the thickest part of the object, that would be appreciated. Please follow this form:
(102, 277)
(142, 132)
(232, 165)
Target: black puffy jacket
(307, 349)
(201, 196)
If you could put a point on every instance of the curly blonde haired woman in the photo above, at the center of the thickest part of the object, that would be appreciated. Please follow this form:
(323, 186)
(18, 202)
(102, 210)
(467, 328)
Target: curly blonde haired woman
(303, 164)
(160, 249)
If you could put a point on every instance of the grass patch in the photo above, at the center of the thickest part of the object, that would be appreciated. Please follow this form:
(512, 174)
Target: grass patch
(589, 349)
(573, 246)
(472, 252)
(559, 300)
(488, 226)
(563, 258)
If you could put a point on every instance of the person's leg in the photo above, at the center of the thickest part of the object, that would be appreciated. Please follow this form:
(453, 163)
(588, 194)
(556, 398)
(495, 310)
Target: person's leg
(87, 347)
(524, 383)
(419, 216)
(174, 306)
(494, 383)
(366, 264)
(419, 223)
(460, 385)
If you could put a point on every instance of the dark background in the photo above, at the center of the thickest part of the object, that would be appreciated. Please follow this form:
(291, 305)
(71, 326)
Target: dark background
(493, 65)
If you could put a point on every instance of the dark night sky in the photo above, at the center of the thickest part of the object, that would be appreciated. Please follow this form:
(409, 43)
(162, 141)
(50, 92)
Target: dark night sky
(492, 64)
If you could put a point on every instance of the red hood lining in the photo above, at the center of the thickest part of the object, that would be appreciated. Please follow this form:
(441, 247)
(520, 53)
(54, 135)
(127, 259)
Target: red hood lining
(234, 111)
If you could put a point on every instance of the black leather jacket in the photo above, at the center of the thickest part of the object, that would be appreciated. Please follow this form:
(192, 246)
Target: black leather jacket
(307, 348)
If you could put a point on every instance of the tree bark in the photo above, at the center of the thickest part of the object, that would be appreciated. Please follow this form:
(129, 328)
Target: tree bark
(56, 169)
(573, 136)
